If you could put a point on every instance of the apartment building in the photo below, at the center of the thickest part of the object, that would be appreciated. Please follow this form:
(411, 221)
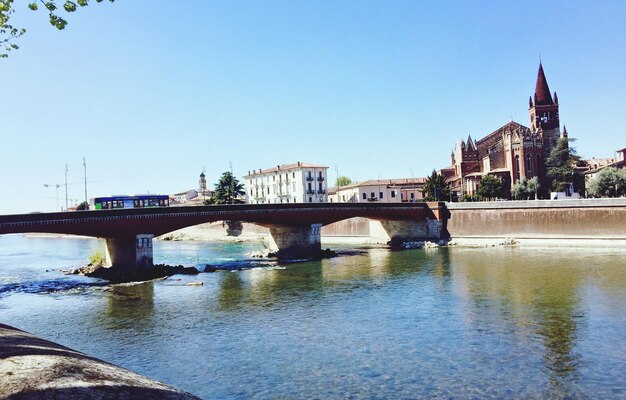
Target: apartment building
(289, 183)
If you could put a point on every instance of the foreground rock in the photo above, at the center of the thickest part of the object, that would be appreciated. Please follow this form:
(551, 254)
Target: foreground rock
(121, 275)
(34, 368)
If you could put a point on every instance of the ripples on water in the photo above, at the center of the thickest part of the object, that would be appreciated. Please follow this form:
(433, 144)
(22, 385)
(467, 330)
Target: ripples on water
(461, 323)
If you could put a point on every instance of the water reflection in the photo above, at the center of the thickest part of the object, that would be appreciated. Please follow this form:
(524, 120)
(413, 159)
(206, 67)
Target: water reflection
(128, 305)
(232, 291)
(541, 299)
(269, 287)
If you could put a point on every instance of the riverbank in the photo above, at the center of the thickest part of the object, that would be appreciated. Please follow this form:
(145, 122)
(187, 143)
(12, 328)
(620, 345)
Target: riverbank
(215, 232)
(35, 368)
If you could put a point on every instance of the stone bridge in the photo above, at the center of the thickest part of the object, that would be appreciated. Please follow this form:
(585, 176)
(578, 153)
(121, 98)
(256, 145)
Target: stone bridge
(295, 228)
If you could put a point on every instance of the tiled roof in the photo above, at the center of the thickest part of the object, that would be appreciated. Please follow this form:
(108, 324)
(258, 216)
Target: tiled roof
(385, 182)
(284, 167)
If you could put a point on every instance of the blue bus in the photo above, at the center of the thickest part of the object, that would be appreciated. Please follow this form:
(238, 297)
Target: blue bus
(134, 201)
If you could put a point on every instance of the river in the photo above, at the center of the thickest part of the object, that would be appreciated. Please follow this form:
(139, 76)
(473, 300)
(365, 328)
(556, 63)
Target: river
(501, 322)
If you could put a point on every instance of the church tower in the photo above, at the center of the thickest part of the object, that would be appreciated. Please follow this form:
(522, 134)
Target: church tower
(544, 113)
(202, 182)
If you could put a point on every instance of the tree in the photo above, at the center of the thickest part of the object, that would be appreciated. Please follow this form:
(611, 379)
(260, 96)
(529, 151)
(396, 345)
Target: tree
(490, 187)
(227, 189)
(609, 182)
(8, 33)
(82, 206)
(343, 181)
(436, 188)
(560, 165)
(525, 188)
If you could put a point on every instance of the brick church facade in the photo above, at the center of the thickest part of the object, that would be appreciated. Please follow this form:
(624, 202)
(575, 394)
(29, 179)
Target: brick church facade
(511, 152)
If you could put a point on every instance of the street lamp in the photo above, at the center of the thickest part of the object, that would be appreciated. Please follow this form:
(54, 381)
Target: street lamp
(57, 186)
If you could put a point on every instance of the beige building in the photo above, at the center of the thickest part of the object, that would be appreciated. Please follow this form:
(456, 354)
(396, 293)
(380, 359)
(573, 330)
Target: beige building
(381, 190)
(596, 165)
(289, 183)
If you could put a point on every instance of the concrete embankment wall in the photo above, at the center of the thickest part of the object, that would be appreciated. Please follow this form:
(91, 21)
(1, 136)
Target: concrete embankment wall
(34, 368)
(348, 227)
(575, 219)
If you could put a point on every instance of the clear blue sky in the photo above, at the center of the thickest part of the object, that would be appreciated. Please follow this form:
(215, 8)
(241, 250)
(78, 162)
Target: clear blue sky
(153, 91)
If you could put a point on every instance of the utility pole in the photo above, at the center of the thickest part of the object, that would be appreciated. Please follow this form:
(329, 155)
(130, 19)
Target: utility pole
(85, 169)
(66, 204)
(232, 181)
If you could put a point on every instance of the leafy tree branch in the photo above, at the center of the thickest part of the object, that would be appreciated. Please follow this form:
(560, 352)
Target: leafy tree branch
(9, 33)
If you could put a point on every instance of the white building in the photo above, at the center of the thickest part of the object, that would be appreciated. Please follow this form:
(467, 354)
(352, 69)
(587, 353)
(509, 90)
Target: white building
(289, 183)
(382, 190)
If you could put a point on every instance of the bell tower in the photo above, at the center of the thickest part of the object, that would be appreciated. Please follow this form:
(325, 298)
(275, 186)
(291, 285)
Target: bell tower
(544, 113)
(202, 182)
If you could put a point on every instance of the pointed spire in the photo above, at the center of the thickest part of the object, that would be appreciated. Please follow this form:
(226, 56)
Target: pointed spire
(530, 101)
(556, 98)
(471, 145)
(542, 91)
(564, 134)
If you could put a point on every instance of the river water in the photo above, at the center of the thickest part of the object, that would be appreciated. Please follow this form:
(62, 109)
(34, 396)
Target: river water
(370, 323)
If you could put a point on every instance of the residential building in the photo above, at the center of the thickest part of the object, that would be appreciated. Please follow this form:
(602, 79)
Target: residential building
(289, 183)
(596, 165)
(380, 190)
(513, 151)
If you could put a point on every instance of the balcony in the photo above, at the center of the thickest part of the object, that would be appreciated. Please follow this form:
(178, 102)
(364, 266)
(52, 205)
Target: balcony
(309, 179)
(320, 179)
(310, 191)
(321, 192)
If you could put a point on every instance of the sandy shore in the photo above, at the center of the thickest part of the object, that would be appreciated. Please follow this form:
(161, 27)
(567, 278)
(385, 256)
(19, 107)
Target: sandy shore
(217, 232)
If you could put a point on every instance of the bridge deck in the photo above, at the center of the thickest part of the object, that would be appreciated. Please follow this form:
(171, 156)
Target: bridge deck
(158, 221)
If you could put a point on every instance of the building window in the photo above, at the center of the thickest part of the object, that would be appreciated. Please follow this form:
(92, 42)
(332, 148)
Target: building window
(373, 195)
(320, 186)
(528, 166)
(380, 195)
(412, 196)
(364, 196)
(393, 193)
(309, 186)
(517, 174)
(310, 199)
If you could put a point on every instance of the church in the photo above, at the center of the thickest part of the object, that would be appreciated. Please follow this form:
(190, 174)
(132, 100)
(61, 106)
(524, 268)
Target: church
(511, 152)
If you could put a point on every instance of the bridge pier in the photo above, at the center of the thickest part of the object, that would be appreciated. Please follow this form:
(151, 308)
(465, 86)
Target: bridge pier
(292, 242)
(396, 232)
(133, 252)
